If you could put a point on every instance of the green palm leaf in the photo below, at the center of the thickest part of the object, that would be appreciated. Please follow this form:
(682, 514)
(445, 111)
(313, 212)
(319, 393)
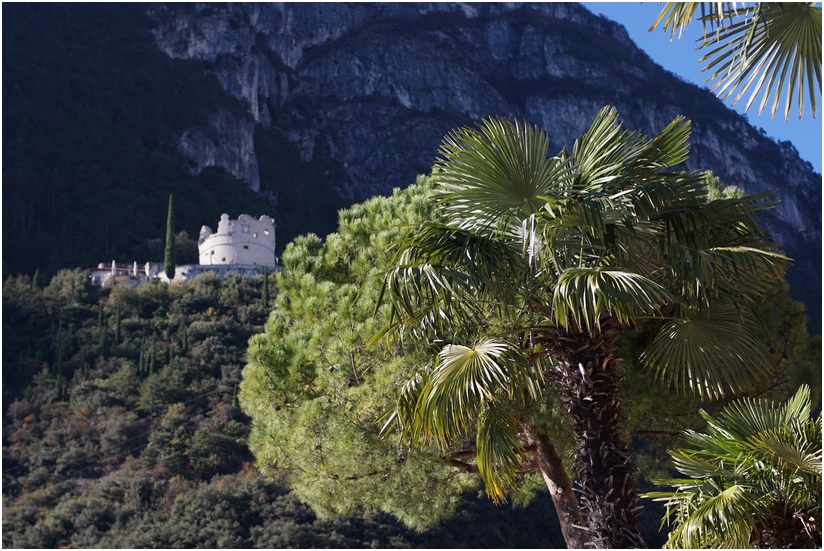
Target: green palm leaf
(777, 48)
(676, 16)
(405, 416)
(583, 295)
(709, 356)
(723, 520)
(748, 417)
(782, 446)
(757, 460)
(440, 273)
(496, 174)
(465, 380)
(499, 451)
(773, 48)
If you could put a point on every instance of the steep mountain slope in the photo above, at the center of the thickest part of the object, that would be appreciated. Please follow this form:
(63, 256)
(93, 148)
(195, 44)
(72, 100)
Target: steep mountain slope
(93, 113)
(368, 90)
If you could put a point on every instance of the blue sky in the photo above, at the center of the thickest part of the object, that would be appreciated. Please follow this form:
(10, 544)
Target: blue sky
(681, 58)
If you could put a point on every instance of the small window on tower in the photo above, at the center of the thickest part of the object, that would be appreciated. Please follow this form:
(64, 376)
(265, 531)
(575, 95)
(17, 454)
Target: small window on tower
(266, 231)
(245, 228)
(246, 246)
(254, 234)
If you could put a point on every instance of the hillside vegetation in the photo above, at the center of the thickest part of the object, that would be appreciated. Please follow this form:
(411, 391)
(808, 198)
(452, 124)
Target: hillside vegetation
(122, 429)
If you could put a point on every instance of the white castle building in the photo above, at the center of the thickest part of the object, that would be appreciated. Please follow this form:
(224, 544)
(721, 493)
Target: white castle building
(244, 246)
(242, 241)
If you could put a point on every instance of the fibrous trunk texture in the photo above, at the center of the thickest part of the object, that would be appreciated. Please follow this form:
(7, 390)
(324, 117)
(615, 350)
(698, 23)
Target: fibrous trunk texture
(588, 385)
(560, 488)
(787, 530)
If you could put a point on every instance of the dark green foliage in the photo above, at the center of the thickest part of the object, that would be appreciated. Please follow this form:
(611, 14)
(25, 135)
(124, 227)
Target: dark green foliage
(130, 450)
(169, 253)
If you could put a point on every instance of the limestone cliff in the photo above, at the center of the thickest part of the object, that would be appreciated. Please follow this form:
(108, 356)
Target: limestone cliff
(372, 89)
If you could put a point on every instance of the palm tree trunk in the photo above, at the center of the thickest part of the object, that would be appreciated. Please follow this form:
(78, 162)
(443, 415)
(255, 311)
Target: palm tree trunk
(588, 382)
(560, 488)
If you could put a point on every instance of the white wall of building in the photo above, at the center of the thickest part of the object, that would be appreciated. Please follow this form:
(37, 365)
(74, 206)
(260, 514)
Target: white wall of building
(246, 241)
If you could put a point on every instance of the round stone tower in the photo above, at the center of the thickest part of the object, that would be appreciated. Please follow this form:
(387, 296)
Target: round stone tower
(243, 241)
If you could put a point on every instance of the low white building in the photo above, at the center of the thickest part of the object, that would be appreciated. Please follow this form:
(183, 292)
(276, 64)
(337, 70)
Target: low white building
(123, 274)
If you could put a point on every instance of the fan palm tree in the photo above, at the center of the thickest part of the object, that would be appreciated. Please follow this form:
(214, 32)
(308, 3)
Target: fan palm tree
(541, 264)
(769, 47)
(753, 479)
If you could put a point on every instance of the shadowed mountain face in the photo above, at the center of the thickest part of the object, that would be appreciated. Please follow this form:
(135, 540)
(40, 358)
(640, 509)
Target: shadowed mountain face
(339, 102)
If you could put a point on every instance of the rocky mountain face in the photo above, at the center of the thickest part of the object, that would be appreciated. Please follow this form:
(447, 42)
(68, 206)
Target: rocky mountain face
(369, 90)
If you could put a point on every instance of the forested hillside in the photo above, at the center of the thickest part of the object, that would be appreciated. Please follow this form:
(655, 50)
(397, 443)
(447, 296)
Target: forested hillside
(122, 429)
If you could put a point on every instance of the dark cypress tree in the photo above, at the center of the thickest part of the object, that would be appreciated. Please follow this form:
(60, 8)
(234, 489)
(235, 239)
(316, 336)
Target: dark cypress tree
(169, 258)
(104, 343)
(117, 324)
(184, 340)
(150, 367)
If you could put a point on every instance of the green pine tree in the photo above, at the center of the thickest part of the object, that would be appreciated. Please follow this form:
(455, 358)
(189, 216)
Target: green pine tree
(169, 258)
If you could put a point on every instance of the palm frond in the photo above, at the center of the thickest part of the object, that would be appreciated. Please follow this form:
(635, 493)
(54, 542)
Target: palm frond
(439, 275)
(703, 466)
(405, 416)
(499, 451)
(776, 49)
(783, 446)
(676, 16)
(721, 520)
(707, 355)
(465, 380)
(756, 457)
(583, 295)
(496, 174)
